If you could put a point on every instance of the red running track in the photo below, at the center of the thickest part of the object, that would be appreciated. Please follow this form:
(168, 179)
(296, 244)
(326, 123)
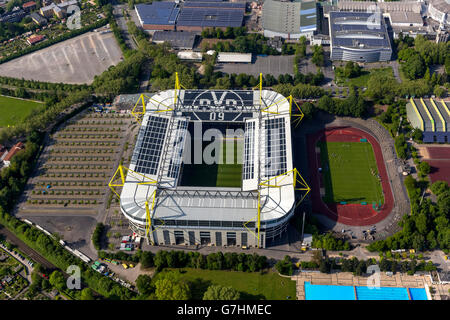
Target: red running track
(349, 214)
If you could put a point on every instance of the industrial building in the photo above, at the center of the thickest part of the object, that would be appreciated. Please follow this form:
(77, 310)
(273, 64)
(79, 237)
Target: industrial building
(167, 209)
(289, 19)
(432, 116)
(177, 40)
(359, 37)
(158, 15)
(383, 7)
(404, 16)
(439, 10)
(197, 15)
(190, 15)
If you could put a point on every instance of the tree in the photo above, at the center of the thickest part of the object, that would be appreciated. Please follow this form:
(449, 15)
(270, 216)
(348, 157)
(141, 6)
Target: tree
(57, 280)
(146, 259)
(167, 289)
(318, 56)
(424, 168)
(144, 284)
(86, 294)
(285, 266)
(439, 187)
(216, 292)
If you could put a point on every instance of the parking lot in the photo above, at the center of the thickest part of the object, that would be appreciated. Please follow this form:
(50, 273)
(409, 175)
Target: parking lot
(74, 61)
(274, 65)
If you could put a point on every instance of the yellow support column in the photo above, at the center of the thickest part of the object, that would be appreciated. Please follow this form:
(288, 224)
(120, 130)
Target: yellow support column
(177, 87)
(433, 126)
(259, 219)
(418, 114)
(444, 124)
(260, 88)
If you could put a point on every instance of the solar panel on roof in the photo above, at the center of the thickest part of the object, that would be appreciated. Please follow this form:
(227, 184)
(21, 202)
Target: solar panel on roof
(275, 148)
(178, 146)
(210, 17)
(249, 151)
(150, 148)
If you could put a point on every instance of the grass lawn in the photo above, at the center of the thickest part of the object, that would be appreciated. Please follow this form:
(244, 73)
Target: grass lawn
(350, 172)
(14, 110)
(252, 285)
(226, 173)
(361, 81)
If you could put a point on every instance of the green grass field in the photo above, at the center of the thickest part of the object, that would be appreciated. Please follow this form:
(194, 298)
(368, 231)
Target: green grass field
(350, 172)
(14, 110)
(251, 285)
(361, 81)
(226, 173)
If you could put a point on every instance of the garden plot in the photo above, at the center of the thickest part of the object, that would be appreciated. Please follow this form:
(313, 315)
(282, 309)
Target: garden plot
(74, 170)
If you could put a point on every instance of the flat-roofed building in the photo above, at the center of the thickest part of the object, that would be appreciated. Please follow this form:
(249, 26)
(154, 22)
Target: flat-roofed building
(359, 37)
(289, 19)
(183, 40)
(439, 10)
(234, 57)
(405, 19)
(198, 15)
(158, 15)
(384, 7)
(190, 55)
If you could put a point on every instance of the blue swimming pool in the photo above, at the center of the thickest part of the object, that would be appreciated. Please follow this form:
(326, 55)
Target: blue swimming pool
(418, 294)
(329, 292)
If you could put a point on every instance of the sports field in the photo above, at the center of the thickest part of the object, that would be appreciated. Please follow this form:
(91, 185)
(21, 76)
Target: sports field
(14, 110)
(350, 173)
(226, 173)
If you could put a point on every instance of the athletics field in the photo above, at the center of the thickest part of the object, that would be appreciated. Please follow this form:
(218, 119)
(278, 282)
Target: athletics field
(350, 173)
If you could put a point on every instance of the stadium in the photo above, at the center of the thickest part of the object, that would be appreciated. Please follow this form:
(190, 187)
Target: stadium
(212, 167)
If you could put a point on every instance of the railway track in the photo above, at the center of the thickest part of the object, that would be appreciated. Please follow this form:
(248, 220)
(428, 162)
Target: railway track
(34, 255)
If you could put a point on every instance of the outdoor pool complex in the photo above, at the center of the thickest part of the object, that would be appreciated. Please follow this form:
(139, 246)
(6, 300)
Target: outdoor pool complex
(329, 292)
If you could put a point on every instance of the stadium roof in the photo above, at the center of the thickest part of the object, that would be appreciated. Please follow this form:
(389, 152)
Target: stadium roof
(162, 13)
(159, 149)
(359, 30)
(289, 17)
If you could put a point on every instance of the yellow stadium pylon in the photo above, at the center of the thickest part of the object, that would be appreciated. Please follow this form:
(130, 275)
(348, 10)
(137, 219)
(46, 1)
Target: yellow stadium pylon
(139, 114)
(178, 87)
(298, 183)
(118, 179)
(297, 116)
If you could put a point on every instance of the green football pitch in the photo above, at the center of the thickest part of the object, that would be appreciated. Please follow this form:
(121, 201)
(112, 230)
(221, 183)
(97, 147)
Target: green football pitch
(14, 110)
(350, 173)
(226, 173)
